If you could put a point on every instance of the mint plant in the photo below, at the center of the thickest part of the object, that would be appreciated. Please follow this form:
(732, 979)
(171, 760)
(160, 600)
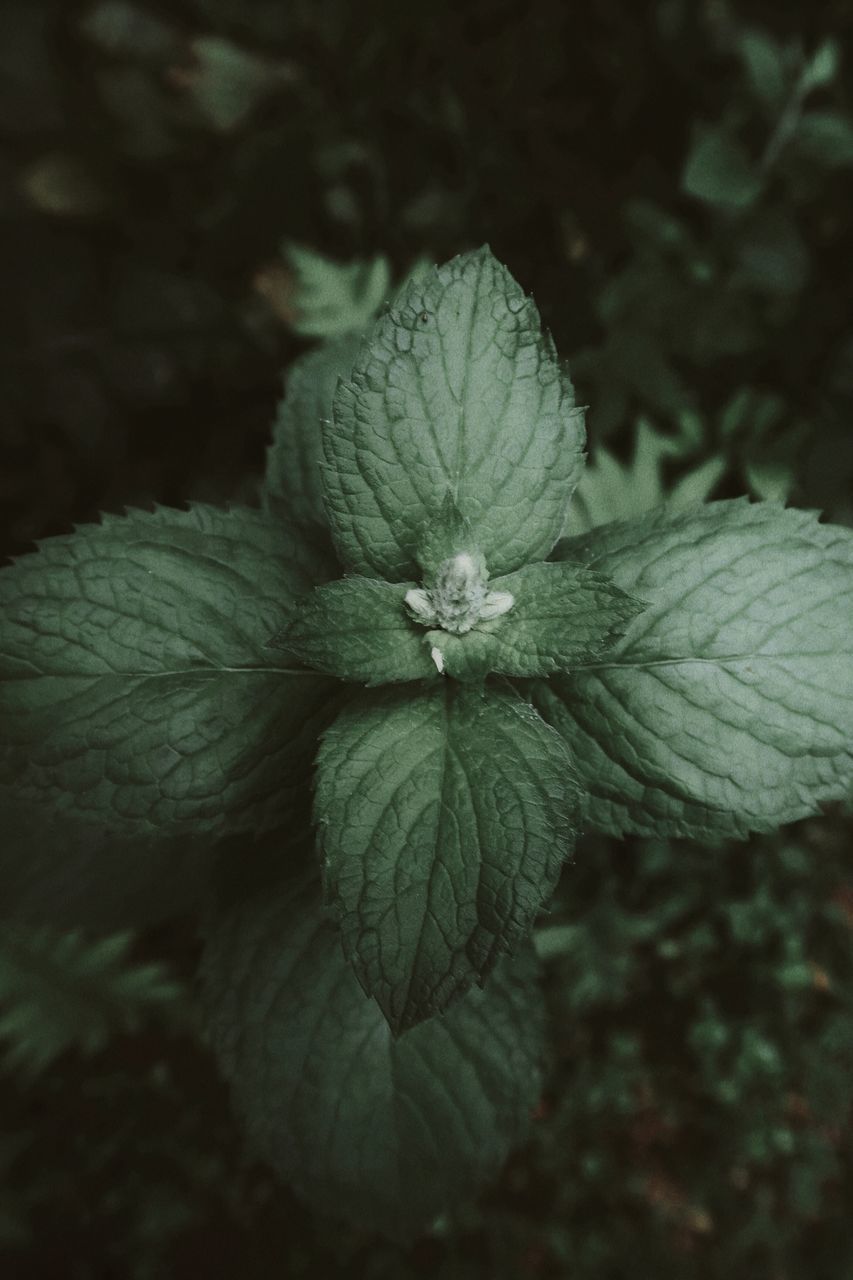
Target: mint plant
(471, 689)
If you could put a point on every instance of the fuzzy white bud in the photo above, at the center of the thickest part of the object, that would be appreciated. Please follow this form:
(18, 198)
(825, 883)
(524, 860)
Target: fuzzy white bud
(459, 598)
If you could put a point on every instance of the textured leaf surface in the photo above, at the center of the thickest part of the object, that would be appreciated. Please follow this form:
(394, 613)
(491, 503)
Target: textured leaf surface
(561, 615)
(292, 481)
(137, 690)
(387, 1133)
(456, 390)
(444, 816)
(728, 705)
(358, 629)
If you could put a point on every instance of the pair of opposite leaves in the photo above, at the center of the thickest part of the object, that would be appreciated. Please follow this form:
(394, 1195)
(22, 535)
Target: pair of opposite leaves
(141, 697)
(706, 710)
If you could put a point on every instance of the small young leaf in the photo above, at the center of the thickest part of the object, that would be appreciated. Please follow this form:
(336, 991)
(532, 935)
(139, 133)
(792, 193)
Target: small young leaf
(719, 171)
(137, 689)
(448, 534)
(444, 816)
(358, 629)
(561, 615)
(728, 705)
(456, 389)
(385, 1133)
(292, 483)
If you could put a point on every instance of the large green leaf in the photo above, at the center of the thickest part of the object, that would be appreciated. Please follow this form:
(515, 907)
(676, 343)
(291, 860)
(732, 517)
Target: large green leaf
(292, 482)
(444, 816)
(137, 690)
(728, 705)
(385, 1132)
(456, 389)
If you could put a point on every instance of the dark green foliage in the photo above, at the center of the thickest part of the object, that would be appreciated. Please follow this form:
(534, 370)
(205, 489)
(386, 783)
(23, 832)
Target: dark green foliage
(672, 181)
(57, 991)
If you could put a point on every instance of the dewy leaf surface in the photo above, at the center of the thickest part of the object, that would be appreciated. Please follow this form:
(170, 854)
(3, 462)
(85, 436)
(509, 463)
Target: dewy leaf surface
(728, 706)
(456, 389)
(385, 1133)
(444, 815)
(292, 483)
(137, 691)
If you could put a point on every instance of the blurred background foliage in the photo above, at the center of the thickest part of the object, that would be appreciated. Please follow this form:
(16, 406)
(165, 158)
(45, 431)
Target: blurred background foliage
(191, 194)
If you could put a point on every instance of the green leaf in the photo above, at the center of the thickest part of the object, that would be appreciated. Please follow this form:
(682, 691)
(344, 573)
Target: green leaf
(444, 816)
(456, 389)
(825, 137)
(448, 534)
(137, 690)
(333, 298)
(719, 171)
(765, 66)
(612, 490)
(385, 1133)
(561, 615)
(292, 483)
(770, 481)
(728, 706)
(822, 67)
(358, 629)
(60, 990)
(227, 83)
(696, 485)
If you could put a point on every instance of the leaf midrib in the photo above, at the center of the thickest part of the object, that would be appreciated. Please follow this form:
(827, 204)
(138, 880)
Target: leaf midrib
(159, 675)
(714, 661)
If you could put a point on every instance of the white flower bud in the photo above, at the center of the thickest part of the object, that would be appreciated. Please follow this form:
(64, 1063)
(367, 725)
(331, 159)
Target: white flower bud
(459, 597)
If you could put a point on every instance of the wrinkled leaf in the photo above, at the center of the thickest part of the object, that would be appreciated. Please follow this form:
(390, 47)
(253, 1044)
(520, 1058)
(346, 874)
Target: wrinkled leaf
(455, 389)
(385, 1133)
(444, 816)
(728, 706)
(137, 690)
